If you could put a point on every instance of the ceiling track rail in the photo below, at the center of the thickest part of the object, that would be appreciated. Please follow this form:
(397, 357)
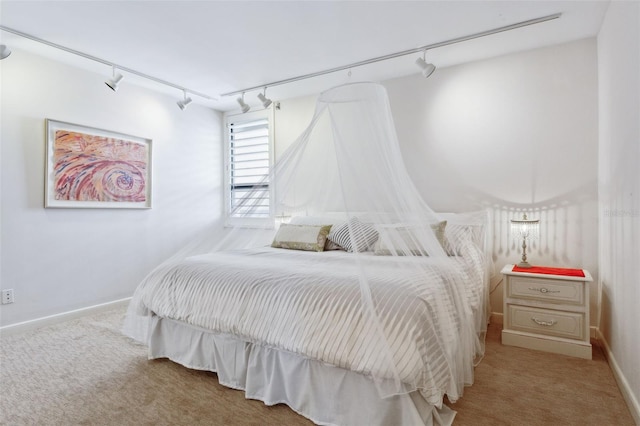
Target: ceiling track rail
(402, 53)
(105, 62)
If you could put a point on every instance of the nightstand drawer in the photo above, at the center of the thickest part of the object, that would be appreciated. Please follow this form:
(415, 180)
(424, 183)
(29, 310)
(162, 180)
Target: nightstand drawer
(546, 289)
(569, 325)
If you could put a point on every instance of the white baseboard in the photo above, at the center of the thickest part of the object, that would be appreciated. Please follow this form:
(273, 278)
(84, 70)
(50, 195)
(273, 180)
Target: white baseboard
(25, 326)
(623, 384)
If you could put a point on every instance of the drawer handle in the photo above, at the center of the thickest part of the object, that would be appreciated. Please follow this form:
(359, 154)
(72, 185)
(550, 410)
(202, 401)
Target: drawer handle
(544, 323)
(544, 290)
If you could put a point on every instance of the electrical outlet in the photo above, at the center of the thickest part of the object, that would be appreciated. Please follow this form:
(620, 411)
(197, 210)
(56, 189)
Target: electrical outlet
(7, 296)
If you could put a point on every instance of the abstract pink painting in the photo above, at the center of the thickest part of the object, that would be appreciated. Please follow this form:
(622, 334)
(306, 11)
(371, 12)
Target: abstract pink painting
(96, 170)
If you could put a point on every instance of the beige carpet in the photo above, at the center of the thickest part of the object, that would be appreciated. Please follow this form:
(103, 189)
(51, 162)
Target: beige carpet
(84, 372)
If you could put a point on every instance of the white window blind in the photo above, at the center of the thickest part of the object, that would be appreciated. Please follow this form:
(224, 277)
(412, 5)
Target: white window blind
(248, 168)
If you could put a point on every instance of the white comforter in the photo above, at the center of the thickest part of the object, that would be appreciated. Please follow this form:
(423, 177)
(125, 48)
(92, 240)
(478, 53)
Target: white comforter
(309, 304)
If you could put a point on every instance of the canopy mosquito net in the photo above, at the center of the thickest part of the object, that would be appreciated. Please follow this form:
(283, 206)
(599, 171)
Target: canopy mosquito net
(342, 191)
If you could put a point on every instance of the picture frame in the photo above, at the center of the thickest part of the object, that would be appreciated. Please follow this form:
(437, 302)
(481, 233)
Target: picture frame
(87, 167)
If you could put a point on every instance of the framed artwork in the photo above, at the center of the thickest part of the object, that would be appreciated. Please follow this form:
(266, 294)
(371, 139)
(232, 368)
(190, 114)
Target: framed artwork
(93, 168)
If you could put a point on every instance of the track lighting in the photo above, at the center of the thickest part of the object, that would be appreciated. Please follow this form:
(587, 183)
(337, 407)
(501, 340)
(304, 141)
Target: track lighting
(113, 83)
(114, 80)
(263, 98)
(427, 68)
(243, 106)
(421, 63)
(184, 102)
(4, 51)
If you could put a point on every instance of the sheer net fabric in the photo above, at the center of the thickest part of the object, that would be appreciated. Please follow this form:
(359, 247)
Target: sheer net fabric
(346, 170)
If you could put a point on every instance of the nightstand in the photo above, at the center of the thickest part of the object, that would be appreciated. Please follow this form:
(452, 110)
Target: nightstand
(547, 312)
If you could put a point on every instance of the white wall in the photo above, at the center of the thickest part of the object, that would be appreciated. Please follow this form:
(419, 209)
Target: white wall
(619, 181)
(57, 260)
(291, 118)
(513, 133)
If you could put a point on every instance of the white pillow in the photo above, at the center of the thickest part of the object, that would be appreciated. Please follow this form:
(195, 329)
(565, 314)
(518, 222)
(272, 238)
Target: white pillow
(457, 236)
(301, 237)
(400, 238)
(397, 240)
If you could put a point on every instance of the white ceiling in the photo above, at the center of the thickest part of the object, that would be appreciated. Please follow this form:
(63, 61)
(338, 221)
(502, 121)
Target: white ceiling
(216, 47)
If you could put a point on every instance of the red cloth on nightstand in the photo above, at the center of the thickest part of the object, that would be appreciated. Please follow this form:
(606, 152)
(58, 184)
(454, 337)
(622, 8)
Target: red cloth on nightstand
(551, 271)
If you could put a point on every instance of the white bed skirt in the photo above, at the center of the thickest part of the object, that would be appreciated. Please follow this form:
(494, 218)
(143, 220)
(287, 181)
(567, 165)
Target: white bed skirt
(325, 394)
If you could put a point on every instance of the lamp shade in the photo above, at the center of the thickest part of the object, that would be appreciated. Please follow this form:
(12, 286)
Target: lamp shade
(427, 68)
(114, 81)
(265, 101)
(4, 51)
(243, 106)
(184, 103)
(525, 228)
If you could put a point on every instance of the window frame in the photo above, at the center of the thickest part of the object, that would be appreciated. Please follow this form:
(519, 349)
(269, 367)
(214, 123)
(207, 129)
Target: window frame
(230, 118)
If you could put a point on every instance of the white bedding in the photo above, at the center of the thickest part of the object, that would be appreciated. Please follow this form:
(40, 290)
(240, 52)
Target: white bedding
(308, 303)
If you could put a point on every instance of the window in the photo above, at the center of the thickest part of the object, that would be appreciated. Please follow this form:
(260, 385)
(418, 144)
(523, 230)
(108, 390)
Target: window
(248, 163)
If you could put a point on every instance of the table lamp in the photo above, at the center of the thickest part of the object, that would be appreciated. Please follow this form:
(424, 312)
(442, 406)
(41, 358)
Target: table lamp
(525, 229)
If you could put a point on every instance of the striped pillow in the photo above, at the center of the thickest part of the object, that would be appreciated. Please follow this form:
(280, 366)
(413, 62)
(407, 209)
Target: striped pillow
(364, 235)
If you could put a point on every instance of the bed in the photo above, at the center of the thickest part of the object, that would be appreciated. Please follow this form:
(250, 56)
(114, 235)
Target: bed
(286, 326)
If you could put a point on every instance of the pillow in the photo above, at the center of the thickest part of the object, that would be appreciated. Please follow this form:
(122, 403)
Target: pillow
(401, 239)
(330, 245)
(364, 235)
(398, 240)
(301, 237)
(439, 230)
(319, 220)
(463, 229)
(456, 237)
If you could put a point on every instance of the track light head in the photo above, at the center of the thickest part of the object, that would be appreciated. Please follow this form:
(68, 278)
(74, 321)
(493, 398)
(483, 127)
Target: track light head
(4, 51)
(184, 102)
(114, 80)
(243, 105)
(265, 101)
(427, 68)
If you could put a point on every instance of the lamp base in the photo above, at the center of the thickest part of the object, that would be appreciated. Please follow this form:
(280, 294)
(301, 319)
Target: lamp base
(524, 265)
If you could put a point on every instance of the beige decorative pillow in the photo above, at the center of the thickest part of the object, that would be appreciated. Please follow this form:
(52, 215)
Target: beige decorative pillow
(301, 237)
(320, 220)
(439, 230)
